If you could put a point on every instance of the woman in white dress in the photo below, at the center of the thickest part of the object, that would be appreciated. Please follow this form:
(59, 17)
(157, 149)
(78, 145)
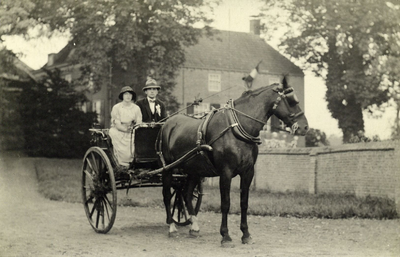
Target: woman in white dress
(123, 116)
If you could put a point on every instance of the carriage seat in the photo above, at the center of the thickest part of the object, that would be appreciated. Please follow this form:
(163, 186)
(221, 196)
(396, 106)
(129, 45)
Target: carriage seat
(145, 142)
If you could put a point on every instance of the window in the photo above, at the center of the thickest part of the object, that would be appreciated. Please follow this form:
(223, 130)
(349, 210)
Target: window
(97, 106)
(201, 109)
(83, 106)
(198, 110)
(90, 83)
(214, 82)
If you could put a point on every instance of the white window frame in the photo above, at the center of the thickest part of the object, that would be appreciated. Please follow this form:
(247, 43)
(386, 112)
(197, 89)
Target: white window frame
(214, 82)
(97, 106)
(68, 77)
(201, 109)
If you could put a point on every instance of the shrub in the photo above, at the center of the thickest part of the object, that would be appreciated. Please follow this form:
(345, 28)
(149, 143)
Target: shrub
(53, 124)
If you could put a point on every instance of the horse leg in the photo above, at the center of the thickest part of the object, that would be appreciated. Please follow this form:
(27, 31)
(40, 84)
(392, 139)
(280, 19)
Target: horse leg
(245, 182)
(167, 180)
(189, 188)
(225, 188)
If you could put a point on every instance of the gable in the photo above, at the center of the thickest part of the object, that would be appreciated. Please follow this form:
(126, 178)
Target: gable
(225, 50)
(238, 51)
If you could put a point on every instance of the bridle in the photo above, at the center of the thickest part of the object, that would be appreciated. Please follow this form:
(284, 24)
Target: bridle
(286, 95)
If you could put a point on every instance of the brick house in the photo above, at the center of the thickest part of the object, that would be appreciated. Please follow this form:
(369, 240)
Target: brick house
(213, 70)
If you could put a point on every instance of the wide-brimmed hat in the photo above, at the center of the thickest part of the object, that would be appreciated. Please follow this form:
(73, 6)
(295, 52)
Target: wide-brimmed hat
(151, 83)
(127, 89)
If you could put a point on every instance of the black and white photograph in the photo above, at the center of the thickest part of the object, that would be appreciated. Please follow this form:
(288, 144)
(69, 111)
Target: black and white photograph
(175, 128)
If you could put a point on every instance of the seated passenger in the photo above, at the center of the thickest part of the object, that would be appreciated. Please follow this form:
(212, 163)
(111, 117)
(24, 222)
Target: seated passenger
(153, 110)
(123, 116)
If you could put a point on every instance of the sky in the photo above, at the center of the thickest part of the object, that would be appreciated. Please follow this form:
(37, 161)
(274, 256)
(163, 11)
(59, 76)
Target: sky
(232, 15)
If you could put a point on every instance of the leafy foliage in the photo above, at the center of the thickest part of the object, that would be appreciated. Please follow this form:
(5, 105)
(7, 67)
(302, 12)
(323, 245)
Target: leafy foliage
(360, 137)
(316, 137)
(348, 43)
(53, 124)
(141, 38)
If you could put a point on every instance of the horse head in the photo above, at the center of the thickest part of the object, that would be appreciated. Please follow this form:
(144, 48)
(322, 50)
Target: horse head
(286, 108)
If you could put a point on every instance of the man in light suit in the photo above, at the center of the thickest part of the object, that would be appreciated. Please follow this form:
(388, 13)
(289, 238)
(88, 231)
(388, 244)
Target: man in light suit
(153, 110)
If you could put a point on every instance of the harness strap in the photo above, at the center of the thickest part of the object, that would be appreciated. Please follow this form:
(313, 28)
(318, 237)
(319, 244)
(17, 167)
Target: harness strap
(238, 130)
(158, 147)
(201, 138)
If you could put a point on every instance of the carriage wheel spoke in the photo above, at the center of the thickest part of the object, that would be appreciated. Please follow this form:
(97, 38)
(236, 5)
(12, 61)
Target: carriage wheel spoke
(89, 163)
(96, 168)
(102, 214)
(93, 208)
(97, 219)
(88, 174)
(109, 203)
(89, 200)
(183, 208)
(106, 210)
(175, 204)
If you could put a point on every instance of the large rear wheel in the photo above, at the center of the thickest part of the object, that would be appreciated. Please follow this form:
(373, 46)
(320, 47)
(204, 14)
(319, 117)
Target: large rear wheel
(180, 214)
(99, 191)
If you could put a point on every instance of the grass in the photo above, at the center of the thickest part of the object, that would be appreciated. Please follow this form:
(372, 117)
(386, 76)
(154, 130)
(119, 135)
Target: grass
(60, 179)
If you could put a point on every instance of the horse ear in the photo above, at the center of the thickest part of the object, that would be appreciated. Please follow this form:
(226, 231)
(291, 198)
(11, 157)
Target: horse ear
(284, 82)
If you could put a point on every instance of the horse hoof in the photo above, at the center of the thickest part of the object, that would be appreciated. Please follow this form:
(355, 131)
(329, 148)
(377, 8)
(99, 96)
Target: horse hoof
(194, 233)
(173, 234)
(227, 244)
(247, 240)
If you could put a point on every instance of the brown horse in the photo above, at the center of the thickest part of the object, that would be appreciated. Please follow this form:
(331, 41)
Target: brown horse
(232, 134)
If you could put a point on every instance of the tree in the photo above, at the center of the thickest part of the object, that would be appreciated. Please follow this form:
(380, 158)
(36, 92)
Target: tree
(141, 37)
(316, 137)
(54, 125)
(343, 41)
(14, 20)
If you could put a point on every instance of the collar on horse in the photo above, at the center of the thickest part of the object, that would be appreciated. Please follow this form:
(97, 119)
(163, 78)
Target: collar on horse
(233, 122)
(238, 130)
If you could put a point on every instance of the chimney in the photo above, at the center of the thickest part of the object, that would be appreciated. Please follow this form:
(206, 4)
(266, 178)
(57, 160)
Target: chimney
(255, 26)
(50, 59)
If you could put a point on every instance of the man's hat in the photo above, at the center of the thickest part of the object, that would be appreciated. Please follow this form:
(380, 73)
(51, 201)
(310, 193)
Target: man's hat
(127, 89)
(151, 83)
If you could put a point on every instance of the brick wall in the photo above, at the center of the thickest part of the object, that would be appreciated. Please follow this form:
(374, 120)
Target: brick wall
(362, 169)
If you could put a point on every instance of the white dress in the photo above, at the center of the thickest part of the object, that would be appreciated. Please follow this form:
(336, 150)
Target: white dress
(123, 142)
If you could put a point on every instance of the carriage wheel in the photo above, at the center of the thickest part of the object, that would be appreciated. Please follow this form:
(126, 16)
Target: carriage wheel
(99, 191)
(180, 214)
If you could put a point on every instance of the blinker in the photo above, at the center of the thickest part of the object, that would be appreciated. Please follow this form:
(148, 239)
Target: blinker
(292, 98)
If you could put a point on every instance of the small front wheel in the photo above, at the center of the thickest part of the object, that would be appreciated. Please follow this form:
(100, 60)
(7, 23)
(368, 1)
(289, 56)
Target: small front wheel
(99, 191)
(180, 214)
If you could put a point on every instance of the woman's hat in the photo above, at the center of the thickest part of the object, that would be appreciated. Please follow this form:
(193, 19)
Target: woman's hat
(151, 83)
(127, 89)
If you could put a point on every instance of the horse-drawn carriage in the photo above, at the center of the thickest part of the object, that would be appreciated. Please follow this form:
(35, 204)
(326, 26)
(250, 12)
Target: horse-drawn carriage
(181, 152)
(100, 178)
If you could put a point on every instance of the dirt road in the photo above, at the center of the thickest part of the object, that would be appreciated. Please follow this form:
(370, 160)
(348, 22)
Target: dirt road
(34, 226)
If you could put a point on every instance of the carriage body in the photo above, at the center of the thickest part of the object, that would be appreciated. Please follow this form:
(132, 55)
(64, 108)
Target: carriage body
(100, 183)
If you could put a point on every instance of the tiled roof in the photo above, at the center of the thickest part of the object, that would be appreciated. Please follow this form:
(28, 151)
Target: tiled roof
(238, 51)
(225, 50)
(21, 71)
(62, 57)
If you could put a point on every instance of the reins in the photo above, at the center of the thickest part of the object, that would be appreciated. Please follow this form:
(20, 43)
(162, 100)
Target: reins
(197, 101)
